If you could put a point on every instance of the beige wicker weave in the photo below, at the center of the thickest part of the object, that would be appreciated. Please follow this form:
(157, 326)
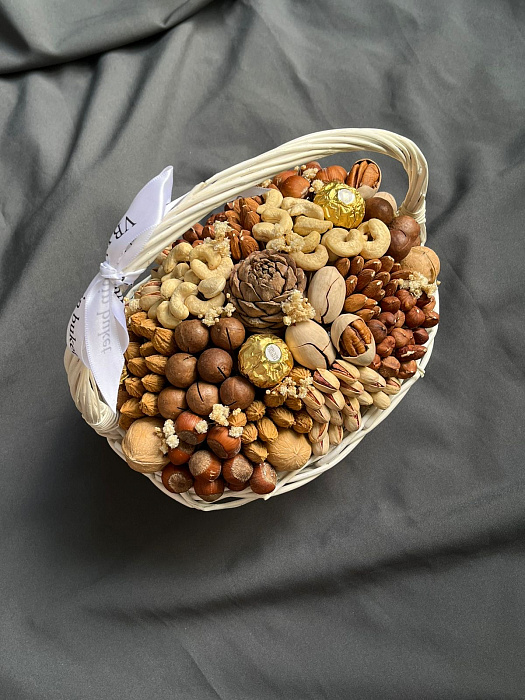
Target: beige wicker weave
(202, 200)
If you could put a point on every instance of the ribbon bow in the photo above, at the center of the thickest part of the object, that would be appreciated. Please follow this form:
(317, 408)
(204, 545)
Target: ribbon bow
(97, 331)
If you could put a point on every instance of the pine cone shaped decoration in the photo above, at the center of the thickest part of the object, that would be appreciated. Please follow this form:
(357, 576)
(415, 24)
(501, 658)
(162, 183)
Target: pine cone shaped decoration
(259, 285)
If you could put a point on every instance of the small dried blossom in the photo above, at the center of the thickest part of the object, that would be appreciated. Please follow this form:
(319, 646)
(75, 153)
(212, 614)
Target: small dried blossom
(168, 428)
(236, 431)
(417, 284)
(310, 173)
(317, 185)
(219, 414)
(172, 441)
(201, 427)
(296, 308)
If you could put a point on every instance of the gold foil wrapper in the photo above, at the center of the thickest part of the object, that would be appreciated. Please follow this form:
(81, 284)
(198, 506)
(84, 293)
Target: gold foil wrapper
(265, 360)
(341, 204)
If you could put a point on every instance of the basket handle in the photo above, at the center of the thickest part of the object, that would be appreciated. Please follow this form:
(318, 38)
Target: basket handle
(228, 184)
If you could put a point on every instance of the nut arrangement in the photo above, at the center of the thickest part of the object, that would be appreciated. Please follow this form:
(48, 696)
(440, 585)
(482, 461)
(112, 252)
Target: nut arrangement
(266, 332)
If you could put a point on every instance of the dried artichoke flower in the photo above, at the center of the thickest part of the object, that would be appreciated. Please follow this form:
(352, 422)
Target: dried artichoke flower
(219, 414)
(282, 416)
(255, 452)
(296, 309)
(303, 422)
(249, 433)
(255, 410)
(417, 284)
(267, 430)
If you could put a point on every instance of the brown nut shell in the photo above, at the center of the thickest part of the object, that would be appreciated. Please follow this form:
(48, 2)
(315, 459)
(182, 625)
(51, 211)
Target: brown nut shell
(181, 370)
(338, 328)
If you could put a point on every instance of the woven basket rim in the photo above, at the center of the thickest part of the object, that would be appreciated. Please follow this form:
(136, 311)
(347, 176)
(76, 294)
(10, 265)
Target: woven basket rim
(198, 203)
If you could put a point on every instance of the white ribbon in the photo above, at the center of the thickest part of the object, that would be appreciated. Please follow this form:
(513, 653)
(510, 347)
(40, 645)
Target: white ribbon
(97, 332)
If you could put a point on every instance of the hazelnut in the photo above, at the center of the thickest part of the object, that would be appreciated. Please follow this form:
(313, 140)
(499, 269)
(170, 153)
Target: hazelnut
(201, 396)
(295, 186)
(264, 478)
(415, 317)
(209, 491)
(237, 392)
(387, 318)
(177, 479)
(181, 454)
(386, 347)
(389, 367)
(228, 334)
(378, 330)
(181, 370)
(222, 443)
(379, 208)
(431, 319)
(399, 319)
(172, 402)
(192, 336)
(237, 470)
(185, 427)
(281, 177)
(214, 365)
(420, 336)
(390, 304)
(376, 363)
(204, 465)
(236, 487)
(407, 300)
(402, 337)
(407, 369)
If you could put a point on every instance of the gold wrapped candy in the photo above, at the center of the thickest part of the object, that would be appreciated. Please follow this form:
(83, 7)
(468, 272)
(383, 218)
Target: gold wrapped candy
(265, 360)
(341, 204)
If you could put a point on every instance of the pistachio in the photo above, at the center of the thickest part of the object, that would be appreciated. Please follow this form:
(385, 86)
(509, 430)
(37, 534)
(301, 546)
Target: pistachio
(313, 398)
(325, 381)
(365, 399)
(335, 434)
(352, 389)
(371, 380)
(352, 422)
(381, 400)
(336, 417)
(392, 386)
(318, 432)
(345, 372)
(321, 414)
(335, 401)
(321, 448)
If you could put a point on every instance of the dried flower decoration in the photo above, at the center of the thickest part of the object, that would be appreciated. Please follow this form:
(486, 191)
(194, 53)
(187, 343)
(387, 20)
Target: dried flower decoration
(296, 309)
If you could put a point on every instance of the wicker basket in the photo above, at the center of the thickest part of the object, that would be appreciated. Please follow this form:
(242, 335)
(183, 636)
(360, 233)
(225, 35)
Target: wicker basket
(199, 203)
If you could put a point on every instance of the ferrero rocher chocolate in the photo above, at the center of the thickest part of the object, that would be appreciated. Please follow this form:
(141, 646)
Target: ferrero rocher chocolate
(265, 360)
(341, 204)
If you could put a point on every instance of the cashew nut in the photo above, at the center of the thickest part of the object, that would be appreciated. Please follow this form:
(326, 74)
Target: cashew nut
(164, 316)
(180, 270)
(207, 254)
(180, 253)
(152, 311)
(311, 242)
(203, 271)
(177, 306)
(305, 224)
(306, 208)
(190, 276)
(272, 198)
(380, 235)
(198, 307)
(264, 232)
(211, 286)
(344, 243)
(169, 287)
(311, 261)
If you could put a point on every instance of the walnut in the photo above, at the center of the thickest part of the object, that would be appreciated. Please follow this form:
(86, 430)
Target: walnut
(255, 410)
(294, 403)
(249, 433)
(237, 420)
(303, 422)
(256, 452)
(267, 430)
(282, 416)
(289, 452)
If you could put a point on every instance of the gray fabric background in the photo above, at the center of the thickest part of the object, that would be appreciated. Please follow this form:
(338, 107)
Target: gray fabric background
(398, 574)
